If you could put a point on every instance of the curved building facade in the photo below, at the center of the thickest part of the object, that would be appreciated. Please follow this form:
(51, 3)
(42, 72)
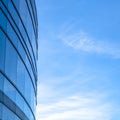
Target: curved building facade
(18, 56)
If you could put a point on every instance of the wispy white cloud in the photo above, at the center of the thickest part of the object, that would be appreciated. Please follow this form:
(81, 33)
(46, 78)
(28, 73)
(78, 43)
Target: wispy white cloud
(76, 107)
(42, 90)
(82, 41)
(60, 96)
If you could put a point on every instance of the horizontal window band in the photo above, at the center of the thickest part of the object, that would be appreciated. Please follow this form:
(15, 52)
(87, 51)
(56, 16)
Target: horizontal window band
(6, 101)
(10, 81)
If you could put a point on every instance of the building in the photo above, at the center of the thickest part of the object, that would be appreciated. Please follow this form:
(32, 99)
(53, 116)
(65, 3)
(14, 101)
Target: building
(18, 55)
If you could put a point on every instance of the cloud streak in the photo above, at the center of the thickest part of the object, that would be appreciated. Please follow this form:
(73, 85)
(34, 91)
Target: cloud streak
(76, 107)
(82, 41)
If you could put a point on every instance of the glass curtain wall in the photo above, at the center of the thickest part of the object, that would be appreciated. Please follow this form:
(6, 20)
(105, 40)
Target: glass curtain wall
(18, 56)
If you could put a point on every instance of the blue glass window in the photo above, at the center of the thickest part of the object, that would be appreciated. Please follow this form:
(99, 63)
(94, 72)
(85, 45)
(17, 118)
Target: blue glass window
(9, 90)
(10, 62)
(17, 58)
(2, 50)
(20, 76)
(10, 115)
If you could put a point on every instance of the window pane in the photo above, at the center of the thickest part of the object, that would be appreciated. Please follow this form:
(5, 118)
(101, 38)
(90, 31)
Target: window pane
(21, 76)
(11, 62)
(10, 115)
(9, 90)
(2, 50)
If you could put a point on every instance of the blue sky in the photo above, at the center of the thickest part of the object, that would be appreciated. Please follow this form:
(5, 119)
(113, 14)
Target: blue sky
(79, 60)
